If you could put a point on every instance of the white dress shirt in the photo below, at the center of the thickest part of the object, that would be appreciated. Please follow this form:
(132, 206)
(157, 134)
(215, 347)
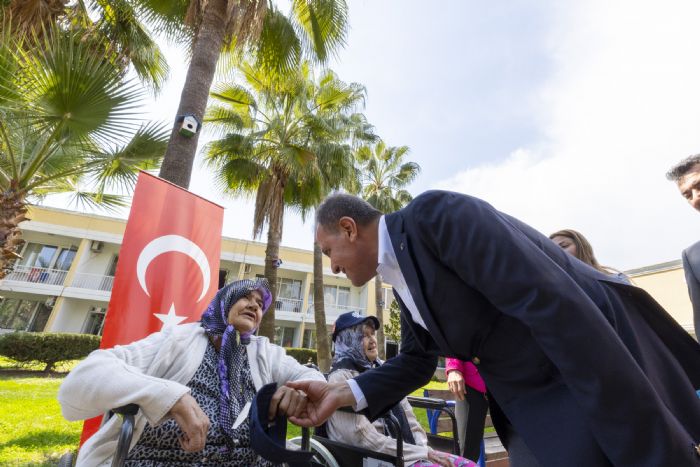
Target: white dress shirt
(388, 268)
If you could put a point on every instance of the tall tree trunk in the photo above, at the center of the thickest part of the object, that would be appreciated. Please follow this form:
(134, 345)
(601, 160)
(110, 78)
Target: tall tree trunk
(274, 238)
(13, 210)
(323, 346)
(379, 300)
(179, 156)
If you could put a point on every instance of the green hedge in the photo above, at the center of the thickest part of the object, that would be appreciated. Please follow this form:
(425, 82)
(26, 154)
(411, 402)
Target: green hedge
(48, 348)
(302, 355)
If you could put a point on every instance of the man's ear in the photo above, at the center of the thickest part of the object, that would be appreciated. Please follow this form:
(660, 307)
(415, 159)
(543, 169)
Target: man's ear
(348, 227)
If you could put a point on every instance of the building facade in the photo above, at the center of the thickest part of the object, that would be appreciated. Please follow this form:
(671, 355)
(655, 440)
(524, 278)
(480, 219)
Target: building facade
(64, 280)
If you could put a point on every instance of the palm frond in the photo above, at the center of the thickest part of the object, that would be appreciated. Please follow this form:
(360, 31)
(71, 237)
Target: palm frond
(278, 48)
(322, 24)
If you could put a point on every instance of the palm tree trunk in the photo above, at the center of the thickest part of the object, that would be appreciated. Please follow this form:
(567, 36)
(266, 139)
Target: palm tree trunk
(274, 238)
(179, 156)
(323, 347)
(13, 210)
(379, 300)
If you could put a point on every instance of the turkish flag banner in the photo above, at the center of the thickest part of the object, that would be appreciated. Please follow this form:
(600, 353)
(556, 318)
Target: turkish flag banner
(168, 268)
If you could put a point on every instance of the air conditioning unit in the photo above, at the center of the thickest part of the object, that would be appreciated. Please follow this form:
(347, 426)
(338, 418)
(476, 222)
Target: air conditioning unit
(96, 246)
(246, 269)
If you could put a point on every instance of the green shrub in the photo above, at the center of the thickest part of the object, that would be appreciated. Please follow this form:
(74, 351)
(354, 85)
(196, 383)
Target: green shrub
(48, 348)
(302, 355)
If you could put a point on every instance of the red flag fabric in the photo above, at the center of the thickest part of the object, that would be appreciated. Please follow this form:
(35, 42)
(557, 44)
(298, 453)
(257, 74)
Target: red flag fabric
(168, 267)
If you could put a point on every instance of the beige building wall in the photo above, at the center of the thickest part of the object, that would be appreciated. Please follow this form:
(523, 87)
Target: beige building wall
(666, 283)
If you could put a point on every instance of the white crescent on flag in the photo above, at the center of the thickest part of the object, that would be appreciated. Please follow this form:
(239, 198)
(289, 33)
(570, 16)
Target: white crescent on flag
(168, 243)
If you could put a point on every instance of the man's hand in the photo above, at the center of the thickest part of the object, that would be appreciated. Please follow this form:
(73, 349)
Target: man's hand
(455, 382)
(323, 400)
(439, 458)
(287, 401)
(193, 422)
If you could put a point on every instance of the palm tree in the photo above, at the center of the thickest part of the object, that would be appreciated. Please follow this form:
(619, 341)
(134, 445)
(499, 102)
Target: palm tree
(283, 141)
(65, 119)
(313, 30)
(114, 28)
(385, 175)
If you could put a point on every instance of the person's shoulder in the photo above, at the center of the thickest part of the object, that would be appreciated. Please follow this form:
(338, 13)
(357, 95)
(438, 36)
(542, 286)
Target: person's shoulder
(429, 199)
(184, 330)
(263, 342)
(693, 250)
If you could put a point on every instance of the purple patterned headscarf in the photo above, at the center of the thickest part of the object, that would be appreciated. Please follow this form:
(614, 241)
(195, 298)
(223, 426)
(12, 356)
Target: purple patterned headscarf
(215, 322)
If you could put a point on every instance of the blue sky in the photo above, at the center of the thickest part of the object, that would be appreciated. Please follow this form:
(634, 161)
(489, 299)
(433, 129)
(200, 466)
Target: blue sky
(565, 114)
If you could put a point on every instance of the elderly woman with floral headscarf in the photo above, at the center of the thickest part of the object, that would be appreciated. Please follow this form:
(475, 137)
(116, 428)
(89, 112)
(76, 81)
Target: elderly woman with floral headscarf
(356, 352)
(193, 383)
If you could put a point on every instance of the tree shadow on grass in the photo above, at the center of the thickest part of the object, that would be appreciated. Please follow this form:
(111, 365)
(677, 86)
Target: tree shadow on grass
(48, 440)
(50, 445)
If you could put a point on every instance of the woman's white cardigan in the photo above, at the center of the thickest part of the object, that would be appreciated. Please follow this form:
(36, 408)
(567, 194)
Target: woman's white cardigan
(153, 373)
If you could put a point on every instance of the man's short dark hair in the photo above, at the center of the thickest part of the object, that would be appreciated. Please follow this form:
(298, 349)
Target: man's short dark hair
(339, 205)
(683, 167)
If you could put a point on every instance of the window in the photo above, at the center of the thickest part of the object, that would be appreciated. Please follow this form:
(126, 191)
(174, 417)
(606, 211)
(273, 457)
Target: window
(284, 336)
(65, 259)
(112, 271)
(23, 315)
(343, 296)
(41, 317)
(332, 295)
(222, 277)
(388, 297)
(95, 321)
(36, 255)
(309, 341)
(286, 288)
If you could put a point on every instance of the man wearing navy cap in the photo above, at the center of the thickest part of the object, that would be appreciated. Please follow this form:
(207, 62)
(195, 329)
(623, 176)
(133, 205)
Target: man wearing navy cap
(587, 370)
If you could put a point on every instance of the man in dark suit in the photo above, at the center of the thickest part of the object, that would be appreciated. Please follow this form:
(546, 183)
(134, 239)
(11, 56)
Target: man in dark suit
(585, 369)
(686, 174)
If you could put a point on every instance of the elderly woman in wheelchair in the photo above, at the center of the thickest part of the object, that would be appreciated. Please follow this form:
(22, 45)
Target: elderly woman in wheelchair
(193, 384)
(355, 352)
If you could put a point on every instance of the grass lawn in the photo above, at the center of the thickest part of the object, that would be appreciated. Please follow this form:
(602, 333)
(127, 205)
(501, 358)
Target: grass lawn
(32, 430)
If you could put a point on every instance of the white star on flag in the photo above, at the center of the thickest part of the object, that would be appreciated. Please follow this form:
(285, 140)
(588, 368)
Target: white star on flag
(171, 319)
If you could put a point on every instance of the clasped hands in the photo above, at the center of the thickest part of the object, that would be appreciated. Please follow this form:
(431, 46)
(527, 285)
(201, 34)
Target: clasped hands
(194, 423)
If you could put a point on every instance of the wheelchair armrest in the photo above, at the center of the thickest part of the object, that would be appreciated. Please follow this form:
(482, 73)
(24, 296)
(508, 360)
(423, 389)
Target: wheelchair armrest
(430, 403)
(127, 412)
(129, 409)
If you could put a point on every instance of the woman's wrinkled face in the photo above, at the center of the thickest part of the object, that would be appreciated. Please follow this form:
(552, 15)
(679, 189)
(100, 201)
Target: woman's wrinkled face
(246, 313)
(566, 244)
(369, 342)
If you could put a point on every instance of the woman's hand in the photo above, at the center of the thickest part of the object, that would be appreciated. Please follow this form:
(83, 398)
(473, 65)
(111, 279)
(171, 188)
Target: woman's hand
(455, 382)
(324, 399)
(287, 401)
(193, 422)
(439, 458)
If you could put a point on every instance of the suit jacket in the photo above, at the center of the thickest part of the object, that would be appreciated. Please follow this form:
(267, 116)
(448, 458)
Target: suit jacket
(577, 360)
(691, 266)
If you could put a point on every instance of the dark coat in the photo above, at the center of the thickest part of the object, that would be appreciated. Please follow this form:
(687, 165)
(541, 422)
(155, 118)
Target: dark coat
(578, 361)
(691, 266)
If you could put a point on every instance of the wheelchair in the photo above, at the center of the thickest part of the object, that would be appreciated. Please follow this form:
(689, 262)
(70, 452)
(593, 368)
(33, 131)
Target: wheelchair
(127, 412)
(327, 453)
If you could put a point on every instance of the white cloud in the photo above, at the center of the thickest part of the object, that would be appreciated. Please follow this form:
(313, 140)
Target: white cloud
(620, 108)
